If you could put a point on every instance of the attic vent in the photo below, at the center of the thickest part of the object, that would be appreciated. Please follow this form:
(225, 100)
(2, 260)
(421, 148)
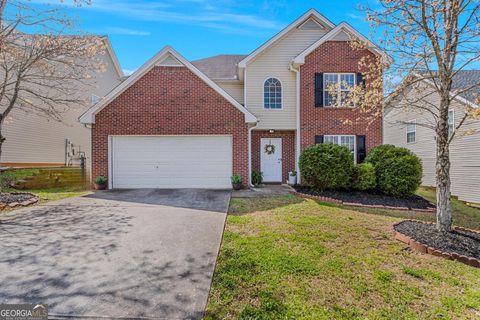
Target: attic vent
(169, 61)
(311, 24)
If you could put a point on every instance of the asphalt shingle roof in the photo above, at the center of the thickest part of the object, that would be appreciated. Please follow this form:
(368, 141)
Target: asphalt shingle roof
(465, 79)
(222, 66)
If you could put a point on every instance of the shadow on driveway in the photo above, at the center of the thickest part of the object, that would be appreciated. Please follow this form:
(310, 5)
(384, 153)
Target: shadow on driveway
(200, 199)
(95, 257)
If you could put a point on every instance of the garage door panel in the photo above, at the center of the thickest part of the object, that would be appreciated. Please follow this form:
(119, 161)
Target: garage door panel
(171, 162)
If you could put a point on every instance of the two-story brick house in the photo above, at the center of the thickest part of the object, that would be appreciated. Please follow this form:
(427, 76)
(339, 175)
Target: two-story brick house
(175, 123)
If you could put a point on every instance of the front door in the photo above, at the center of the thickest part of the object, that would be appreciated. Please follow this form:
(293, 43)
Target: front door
(271, 159)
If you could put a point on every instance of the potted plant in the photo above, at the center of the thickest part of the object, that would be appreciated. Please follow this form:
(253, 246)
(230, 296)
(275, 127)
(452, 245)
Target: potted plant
(100, 183)
(236, 182)
(257, 178)
(292, 178)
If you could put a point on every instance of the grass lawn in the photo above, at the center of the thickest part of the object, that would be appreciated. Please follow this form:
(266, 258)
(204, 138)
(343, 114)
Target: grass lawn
(289, 258)
(59, 193)
(463, 215)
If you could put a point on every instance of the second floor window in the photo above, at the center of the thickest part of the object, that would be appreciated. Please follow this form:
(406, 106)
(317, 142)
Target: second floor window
(272, 94)
(411, 131)
(338, 88)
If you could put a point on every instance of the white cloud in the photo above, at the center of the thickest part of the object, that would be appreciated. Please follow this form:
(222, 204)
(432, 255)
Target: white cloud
(204, 13)
(356, 16)
(124, 31)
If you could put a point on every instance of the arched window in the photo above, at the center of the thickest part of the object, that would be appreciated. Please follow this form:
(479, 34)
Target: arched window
(272, 94)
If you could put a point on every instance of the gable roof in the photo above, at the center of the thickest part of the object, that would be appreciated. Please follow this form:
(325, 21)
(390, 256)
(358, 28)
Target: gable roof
(310, 13)
(342, 27)
(463, 79)
(223, 66)
(113, 56)
(164, 55)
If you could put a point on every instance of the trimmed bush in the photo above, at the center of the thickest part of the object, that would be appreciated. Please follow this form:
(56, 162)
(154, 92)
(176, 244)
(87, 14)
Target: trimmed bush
(398, 171)
(364, 178)
(326, 166)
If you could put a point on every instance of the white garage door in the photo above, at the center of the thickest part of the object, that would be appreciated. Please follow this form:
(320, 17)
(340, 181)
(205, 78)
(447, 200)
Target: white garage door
(171, 161)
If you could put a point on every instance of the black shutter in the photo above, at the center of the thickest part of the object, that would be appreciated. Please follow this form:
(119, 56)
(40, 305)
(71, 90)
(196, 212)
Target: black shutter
(361, 149)
(318, 89)
(318, 139)
(360, 79)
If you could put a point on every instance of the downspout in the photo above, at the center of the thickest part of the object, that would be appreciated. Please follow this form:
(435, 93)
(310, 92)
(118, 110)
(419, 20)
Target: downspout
(297, 120)
(250, 154)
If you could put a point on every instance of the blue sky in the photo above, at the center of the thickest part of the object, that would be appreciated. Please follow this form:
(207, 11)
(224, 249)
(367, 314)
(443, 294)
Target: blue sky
(198, 28)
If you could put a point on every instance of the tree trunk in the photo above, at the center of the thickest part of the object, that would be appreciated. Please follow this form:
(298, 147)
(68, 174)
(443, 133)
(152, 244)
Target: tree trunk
(444, 207)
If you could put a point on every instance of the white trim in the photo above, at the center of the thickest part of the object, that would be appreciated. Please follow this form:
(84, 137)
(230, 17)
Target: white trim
(339, 87)
(113, 56)
(301, 20)
(110, 163)
(300, 59)
(339, 140)
(89, 115)
(281, 92)
(410, 122)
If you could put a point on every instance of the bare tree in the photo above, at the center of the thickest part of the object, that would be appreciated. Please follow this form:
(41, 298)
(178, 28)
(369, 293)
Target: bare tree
(431, 42)
(43, 61)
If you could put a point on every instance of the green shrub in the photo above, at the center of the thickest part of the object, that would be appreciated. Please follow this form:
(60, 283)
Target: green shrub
(398, 171)
(364, 177)
(257, 177)
(101, 180)
(236, 178)
(7, 179)
(385, 151)
(400, 177)
(326, 166)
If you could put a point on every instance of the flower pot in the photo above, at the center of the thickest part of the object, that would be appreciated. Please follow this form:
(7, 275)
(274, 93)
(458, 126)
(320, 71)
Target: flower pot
(102, 186)
(292, 179)
(237, 186)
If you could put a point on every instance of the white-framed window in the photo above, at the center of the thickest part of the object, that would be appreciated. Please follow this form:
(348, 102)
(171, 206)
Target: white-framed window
(412, 131)
(451, 122)
(272, 94)
(348, 141)
(343, 82)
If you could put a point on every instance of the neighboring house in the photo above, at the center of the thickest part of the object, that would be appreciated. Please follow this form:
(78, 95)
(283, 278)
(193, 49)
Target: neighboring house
(409, 128)
(175, 123)
(35, 141)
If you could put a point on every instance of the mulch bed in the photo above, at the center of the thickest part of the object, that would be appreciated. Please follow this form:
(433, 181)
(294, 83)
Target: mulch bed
(364, 199)
(460, 241)
(14, 199)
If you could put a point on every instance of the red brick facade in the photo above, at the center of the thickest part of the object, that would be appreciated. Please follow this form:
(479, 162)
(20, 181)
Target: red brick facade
(169, 101)
(288, 150)
(333, 56)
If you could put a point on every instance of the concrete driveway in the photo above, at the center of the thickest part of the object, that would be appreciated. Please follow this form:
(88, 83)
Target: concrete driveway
(115, 254)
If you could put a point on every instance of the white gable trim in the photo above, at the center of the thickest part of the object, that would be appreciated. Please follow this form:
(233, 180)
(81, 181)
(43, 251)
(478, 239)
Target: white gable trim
(89, 116)
(114, 58)
(296, 23)
(300, 59)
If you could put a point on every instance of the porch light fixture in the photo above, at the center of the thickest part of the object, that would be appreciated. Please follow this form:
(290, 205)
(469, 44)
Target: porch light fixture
(271, 131)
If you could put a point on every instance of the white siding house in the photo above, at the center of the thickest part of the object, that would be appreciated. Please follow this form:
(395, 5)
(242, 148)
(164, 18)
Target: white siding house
(35, 141)
(400, 121)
